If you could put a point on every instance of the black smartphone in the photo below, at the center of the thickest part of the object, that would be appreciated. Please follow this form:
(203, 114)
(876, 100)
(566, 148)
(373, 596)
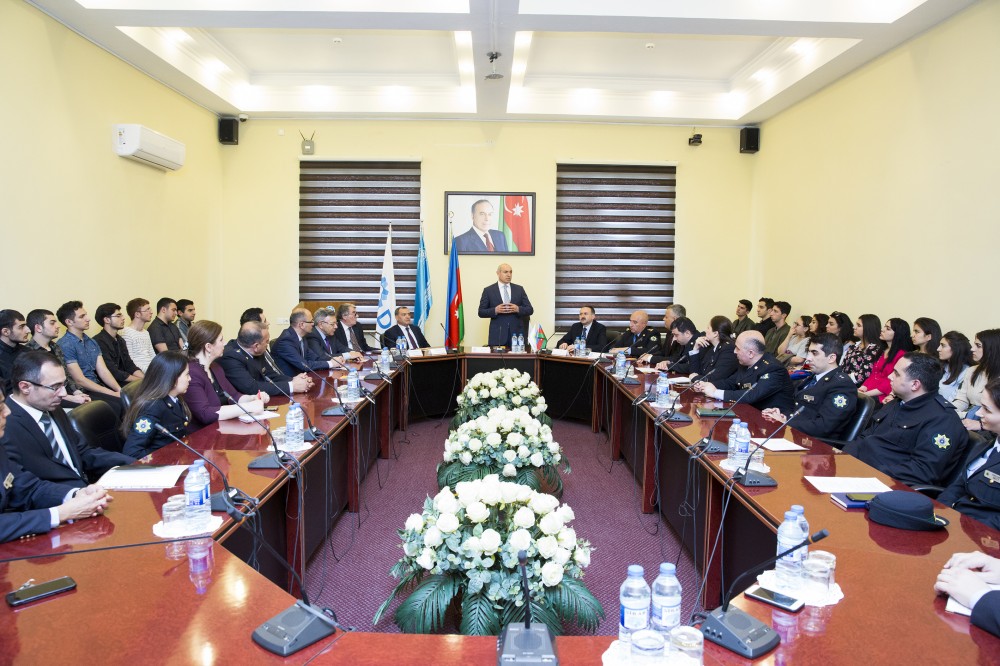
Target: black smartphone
(782, 601)
(40, 591)
(861, 497)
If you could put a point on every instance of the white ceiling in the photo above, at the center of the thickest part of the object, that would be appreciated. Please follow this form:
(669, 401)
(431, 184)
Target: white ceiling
(718, 62)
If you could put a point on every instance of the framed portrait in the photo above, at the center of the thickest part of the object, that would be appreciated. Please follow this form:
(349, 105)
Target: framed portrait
(490, 222)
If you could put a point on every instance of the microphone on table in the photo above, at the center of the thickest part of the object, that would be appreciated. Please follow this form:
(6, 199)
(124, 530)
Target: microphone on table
(365, 393)
(738, 631)
(745, 477)
(310, 434)
(527, 644)
(709, 445)
(224, 500)
(334, 411)
(277, 460)
(671, 413)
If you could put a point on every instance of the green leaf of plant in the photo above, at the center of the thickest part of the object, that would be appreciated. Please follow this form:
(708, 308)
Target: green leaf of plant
(479, 617)
(528, 476)
(423, 611)
(573, 602)
(407, 580)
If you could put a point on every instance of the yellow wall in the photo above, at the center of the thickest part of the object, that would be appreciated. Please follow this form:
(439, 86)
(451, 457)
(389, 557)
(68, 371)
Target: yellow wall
(879, 194)
(79, 222)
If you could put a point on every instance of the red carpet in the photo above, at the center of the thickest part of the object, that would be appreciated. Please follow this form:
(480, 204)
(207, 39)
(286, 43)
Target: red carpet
(350, 573)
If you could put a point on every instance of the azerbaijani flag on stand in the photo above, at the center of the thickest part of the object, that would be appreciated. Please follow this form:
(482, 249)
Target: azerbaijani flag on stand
(515, 224)
(454, 328)
(423, 300)
(537, 337)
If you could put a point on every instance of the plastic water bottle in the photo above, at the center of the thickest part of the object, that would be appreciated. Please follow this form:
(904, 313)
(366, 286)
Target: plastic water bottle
(401, 344)
(742, 444)
(804, 525)
(294, 434)
(635, 599)
(758, 455)
(666, 600)
(385, 360)
(788, 569)
(353, 385)
(621, 365)
(731, 442)
(198, 506)
(662, 391)
(520, 343)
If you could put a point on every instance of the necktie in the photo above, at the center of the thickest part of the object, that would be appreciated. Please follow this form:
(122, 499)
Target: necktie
(302, 348)
(326, 343)
(57, 453)
(585, 329)
(489, 242)
(506, 294)
(810, 383)
(409, 336)
(354, 340)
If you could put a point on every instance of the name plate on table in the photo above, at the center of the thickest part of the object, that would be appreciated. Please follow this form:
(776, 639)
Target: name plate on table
(437, 351)
(481, 350)
(560, 352)
(417, 352)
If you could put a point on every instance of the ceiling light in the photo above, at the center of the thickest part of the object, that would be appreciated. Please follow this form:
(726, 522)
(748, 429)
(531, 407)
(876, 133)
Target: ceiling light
(763, 75)
(337, 40)
(494, 76)
(803, 46)
(650, 45)
(215, 66)
(176, 36)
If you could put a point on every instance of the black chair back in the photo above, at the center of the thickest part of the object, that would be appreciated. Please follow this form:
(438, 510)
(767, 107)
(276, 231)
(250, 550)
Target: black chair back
(129, 391)
(862, 415)
(96, 424)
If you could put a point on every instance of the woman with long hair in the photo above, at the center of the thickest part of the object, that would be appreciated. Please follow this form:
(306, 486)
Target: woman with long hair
(860, 358)
(840, 325)
(896, 336)
(717, 353)
(158, 402)
(818, 323)
(926, 335)
(792, 351)
(206, 396)
(955, 353)
(986, 355)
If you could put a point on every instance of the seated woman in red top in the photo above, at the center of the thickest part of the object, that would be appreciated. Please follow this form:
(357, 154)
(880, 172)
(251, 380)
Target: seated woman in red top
(206, 395)
(896, 335)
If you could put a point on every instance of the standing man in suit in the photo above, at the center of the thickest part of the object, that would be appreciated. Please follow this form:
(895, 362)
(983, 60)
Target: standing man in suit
(39, 437)
(591, 329)
(639, 339)
(291, 350)
(29, 505)
(349, 333)
(404, 328)
(482, 237)
(247, 370)
(504, 304)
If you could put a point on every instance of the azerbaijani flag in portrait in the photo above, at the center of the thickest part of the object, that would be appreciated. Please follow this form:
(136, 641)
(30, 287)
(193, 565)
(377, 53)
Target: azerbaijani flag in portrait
(515, 224)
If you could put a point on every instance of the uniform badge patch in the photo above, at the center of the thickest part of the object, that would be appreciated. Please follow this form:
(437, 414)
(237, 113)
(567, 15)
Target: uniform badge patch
(809, 398)
(143, 425)
(8, 483)
(840, 401)
(942, 441)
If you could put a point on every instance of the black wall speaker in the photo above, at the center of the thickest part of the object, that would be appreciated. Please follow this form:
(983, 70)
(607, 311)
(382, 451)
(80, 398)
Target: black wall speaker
(749, 139)
(229, 131)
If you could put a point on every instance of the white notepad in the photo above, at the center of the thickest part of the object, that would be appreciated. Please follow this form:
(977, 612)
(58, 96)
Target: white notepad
(141, 477)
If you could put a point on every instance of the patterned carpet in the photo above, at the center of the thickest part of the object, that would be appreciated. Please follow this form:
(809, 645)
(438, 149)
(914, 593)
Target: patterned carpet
(350, 572)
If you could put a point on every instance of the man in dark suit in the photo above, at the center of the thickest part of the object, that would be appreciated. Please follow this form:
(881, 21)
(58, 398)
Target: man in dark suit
(405, 329)
(829, 398)
(682, 355)
(321, 341)
(482, 237)
(771, 385)
(291, 351)
(504, 304)
(639, 339)
(588, 326)
(29, 505)
(349, 334)
(39, 436)
(245, 367)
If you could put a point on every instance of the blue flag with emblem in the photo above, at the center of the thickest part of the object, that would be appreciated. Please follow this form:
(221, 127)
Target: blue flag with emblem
(385, 314)
(423, 300)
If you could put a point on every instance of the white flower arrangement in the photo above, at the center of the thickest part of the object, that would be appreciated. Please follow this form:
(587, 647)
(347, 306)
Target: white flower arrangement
(465, 543)
(501, 388)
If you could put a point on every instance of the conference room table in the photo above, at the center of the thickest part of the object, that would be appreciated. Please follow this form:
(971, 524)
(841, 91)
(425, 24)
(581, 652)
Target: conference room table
(135, 598)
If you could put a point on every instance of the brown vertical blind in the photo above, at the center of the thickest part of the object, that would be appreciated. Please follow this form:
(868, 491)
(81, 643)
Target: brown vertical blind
(614, 241)
(345, 209)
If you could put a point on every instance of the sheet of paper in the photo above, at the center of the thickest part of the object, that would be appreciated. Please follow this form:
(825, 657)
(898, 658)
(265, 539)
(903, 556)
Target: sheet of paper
(413, 353)
(679, 380)
(954, 607)
(260, 416)
(142, 477)
(847, 484)
(560, 352)
(778, 444)
(437, 351)
(480, 350)
(646, 370)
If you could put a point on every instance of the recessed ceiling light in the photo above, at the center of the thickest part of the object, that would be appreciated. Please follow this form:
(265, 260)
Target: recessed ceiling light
(650, 45)
(337, 40)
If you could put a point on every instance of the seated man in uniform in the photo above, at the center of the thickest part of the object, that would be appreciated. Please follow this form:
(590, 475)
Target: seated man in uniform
(639, 339)
(761, 381)
(684, 355)
(829, 399)
(917, 439)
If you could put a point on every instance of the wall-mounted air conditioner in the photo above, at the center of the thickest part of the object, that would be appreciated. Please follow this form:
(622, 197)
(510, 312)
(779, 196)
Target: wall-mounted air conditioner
(144, 145)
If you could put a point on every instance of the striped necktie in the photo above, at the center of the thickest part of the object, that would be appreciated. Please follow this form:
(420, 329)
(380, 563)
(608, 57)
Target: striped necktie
(50, 434)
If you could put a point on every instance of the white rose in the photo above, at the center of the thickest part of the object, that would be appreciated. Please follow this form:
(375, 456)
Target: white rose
(477, 512)
(489, 426)
(427, 559)
(484, 393)
(445, 502)
(543, 504)
(472, 545)
(567, 513)
(520, 540)
(541, 400)
(415, 522)
(509, 470)
(490, 541)
(524, 493)
(531, 430)
(447, 522)
(516, 400)
(515, 439)
(556, 458)
(525, 517)
(475, 445)
(582, 556)
(509, 456)
(432, 537)
(535, 411)
(549, 524)
(546, 437)
(508, 491)
(537, 460)
(507, 423)
(489, 491)
(448, 457)
(547, 546)
(494, 439)
(471, 394)
(467, 492)
(553, 447)
(552, 574)
(523, 452)
(465, 457)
